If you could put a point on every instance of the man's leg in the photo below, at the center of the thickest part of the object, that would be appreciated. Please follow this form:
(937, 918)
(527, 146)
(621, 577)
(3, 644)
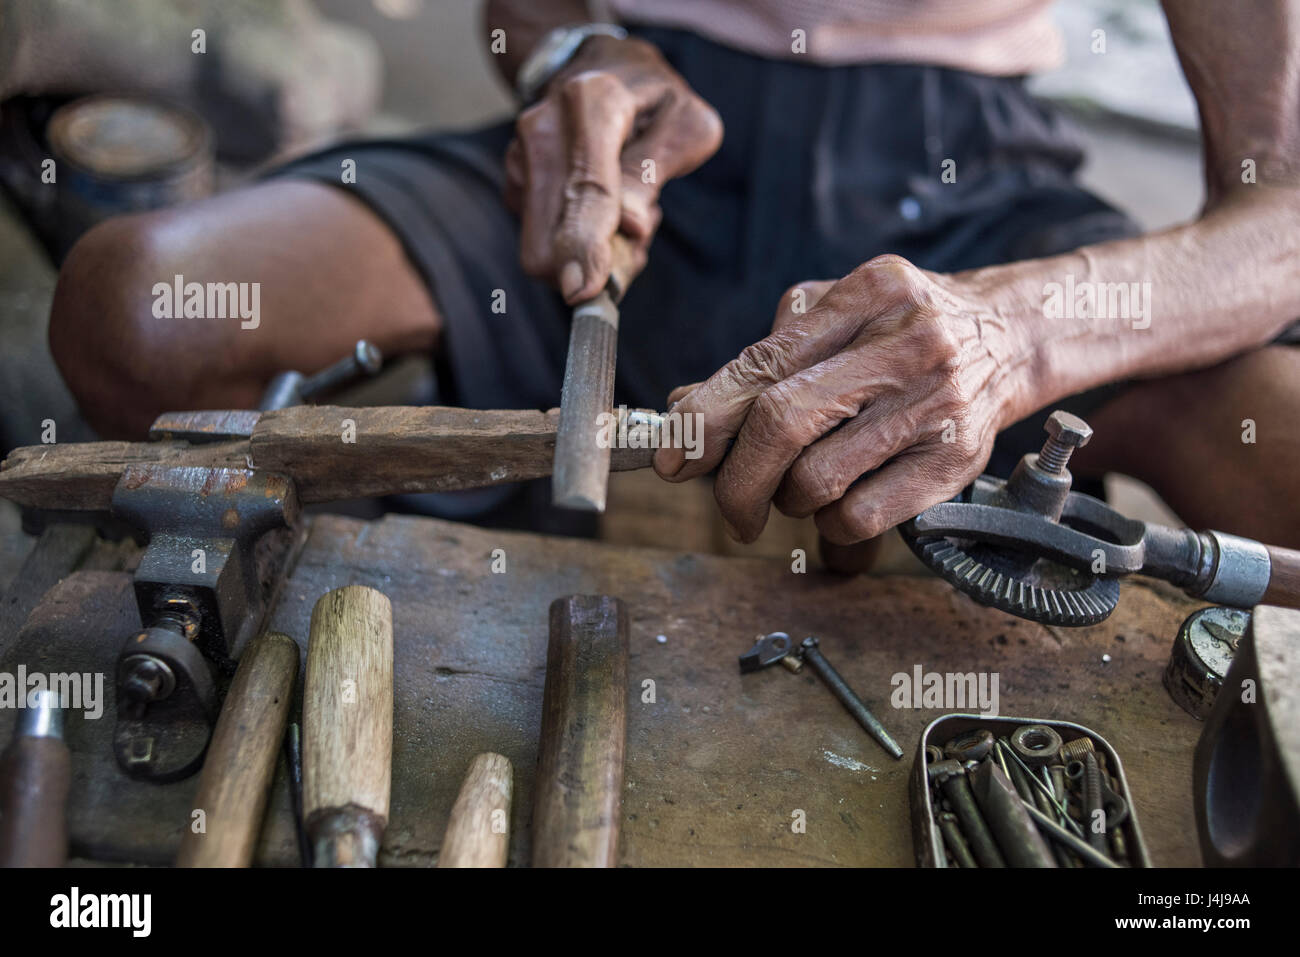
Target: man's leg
(1183, 436)
(330, 272)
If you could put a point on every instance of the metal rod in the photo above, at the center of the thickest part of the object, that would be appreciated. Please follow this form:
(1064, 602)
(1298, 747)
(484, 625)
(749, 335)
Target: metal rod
(839, 687)
(1058, 833)
(1003, 749)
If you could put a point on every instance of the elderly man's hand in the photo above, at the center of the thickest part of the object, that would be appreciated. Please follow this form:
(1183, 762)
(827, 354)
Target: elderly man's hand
(577, 170)
(881, 399)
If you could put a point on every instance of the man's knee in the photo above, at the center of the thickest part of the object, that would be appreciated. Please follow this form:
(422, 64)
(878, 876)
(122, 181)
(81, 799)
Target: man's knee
(1218, 444)
(101, 333)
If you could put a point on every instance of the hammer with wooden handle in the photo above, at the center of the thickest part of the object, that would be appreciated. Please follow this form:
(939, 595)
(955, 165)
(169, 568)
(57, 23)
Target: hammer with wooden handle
(35, 772)
(478, 832)
(578, 790)
(240, 762)
(580, 477)
(348, 726)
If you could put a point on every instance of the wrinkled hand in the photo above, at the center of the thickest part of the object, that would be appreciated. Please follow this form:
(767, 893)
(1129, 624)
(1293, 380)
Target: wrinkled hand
(576, 171)
(893, 376)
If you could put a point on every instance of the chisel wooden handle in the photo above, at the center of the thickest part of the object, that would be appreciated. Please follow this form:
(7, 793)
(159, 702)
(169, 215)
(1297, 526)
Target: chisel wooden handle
(35, 771)
(240, 763)
(348, 726)
(580, 477)
(478, 833)
(579, 786)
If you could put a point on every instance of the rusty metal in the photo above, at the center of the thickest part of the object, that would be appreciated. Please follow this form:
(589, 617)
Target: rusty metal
(971, 746)
(926, 805)
(294, 388)
(201, 596)
(1004, 812)
(950, 777)
(202, 427)
(166, 705)
(1033, 548)
(1035, 744)
(778, 646)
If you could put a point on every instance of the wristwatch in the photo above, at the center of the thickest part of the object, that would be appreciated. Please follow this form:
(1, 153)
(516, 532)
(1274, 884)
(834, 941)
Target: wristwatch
(555, 50)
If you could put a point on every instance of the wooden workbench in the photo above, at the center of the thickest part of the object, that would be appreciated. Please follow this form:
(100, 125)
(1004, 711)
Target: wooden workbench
(717, 763)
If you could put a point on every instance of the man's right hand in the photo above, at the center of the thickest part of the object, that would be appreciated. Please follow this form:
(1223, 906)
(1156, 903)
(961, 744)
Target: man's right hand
(577, 170)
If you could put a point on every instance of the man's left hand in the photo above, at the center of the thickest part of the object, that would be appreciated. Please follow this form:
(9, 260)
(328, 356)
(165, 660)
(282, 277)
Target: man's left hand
(879, 400)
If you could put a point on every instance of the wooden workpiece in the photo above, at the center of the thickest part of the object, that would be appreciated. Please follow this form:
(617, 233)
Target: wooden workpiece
(330, 452)
(717, 763)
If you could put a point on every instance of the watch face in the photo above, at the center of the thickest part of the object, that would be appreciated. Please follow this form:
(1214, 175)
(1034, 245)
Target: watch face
(1213, 636)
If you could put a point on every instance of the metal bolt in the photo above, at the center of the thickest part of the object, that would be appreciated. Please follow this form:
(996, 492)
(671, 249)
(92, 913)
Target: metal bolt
(365, 360)
(1092, 802)
(950, 776)
(955, 841)
(1065, 433)
(146, 679)
(840, 688)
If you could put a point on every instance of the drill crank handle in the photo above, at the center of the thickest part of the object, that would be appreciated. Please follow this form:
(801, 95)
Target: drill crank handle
(1284, 577)
(1224, 569)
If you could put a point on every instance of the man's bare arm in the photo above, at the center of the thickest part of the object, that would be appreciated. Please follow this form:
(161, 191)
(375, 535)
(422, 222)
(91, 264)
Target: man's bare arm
(885, 395)
(1224, 284)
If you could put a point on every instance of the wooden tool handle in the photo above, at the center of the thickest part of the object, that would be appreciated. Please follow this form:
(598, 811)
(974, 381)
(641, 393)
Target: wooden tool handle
(478, 832)
(348, 726)
(579, 785)
(580, 477)
(240, 763)
(581, 474)
(625, 262)
(1284, 578)
(34, 776)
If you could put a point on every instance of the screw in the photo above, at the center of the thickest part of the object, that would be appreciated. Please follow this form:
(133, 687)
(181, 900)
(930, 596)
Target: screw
(1092, 802)
(1065, 433)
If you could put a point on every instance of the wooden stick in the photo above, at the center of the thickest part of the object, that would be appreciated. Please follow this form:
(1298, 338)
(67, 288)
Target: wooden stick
(348, 726)
(478, 832)
(331, 453)
(579, 786)
(240, 763)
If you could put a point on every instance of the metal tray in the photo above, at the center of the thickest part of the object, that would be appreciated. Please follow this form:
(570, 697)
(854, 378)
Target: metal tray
(926, 839)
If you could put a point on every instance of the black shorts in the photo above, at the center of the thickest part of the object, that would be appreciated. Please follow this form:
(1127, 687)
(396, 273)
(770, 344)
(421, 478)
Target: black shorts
(821, 169)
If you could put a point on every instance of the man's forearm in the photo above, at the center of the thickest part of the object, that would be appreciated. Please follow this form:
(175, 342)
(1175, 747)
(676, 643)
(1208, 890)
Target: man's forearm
(525, 22)
(1169, 302)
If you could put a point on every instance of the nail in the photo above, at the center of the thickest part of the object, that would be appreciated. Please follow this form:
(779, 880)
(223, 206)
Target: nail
(571, 278)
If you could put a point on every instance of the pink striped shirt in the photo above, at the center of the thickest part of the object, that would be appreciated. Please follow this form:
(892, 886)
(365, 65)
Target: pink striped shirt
(998, 37)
